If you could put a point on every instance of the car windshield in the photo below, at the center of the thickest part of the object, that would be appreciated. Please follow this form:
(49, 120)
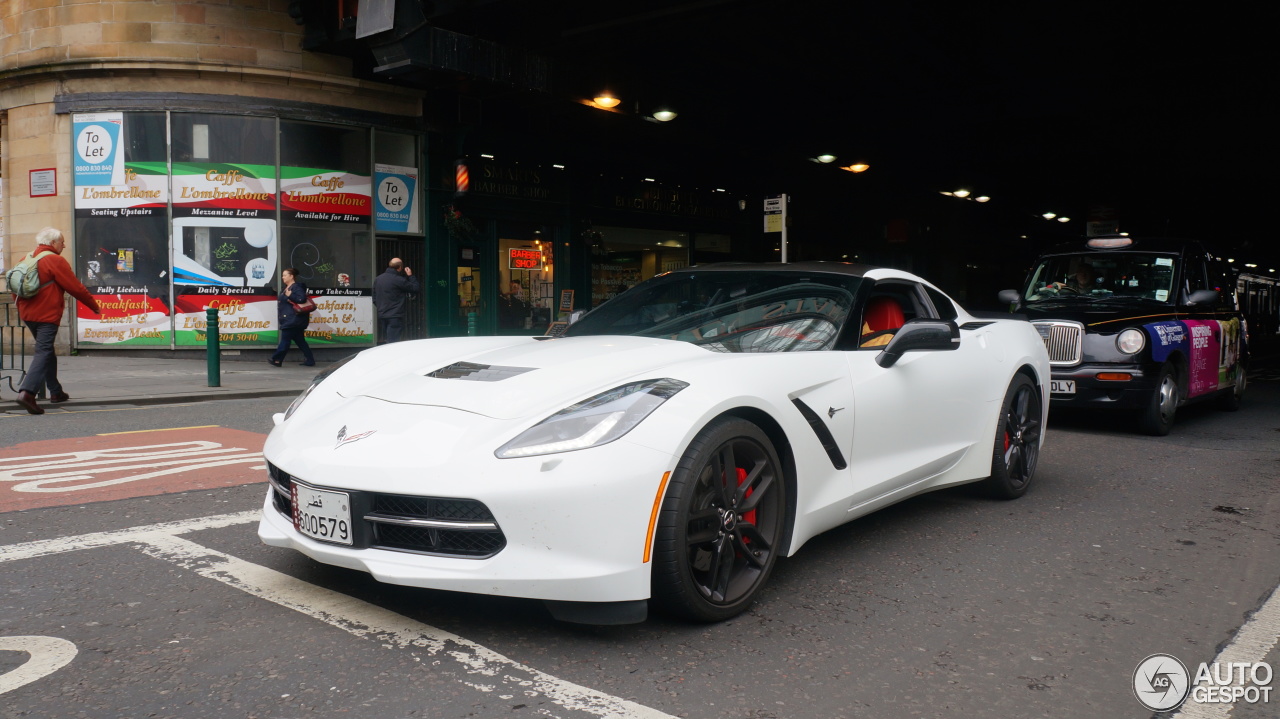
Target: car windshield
(731, 311)
(1097, 276)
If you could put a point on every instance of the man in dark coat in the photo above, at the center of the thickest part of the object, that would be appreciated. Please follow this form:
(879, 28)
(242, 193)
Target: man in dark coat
(42, 315)
(390, 290)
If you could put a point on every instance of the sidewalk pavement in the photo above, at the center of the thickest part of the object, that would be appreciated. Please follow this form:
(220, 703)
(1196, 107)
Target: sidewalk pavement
(93, 380)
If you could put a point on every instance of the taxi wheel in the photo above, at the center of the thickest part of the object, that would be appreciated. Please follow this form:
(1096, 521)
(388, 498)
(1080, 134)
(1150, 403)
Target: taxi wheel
(1230, 402)
(1017, 444)
(720, 528)
(1157, 418)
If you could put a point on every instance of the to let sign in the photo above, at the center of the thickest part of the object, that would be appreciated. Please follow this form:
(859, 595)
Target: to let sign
(525, 259)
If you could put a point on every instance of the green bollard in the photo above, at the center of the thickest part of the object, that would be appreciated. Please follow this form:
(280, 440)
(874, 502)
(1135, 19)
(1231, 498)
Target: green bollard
(471, 324)
(214, 358)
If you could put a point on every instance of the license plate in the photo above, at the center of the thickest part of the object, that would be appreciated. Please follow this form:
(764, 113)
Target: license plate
(322, 514)
(1062, 386)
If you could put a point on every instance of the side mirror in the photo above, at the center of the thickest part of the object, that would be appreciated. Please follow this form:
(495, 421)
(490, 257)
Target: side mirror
(924, 335)
(1203, 297)
(1009, 297)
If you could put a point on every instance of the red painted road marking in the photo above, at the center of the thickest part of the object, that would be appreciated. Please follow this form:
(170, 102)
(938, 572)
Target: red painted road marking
(59, 472)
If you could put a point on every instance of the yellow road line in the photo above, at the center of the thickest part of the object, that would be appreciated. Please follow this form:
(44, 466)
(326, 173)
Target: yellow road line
(164, 429)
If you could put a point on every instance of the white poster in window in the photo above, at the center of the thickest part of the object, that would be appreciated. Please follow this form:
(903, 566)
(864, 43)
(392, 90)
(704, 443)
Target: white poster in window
(396, 198)
(98, 157)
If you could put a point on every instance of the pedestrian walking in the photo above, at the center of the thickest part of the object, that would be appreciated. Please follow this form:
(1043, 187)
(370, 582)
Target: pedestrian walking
(294, 317)
(42, 313)
(390, 291)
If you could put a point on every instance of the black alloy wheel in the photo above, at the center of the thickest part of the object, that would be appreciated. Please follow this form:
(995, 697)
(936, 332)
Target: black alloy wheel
(720, 528)
(1017, 443)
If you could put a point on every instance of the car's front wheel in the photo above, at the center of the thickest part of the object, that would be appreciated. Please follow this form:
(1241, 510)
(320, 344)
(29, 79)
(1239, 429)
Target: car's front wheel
(1157, 418)
(720, 528)
(1017, 444)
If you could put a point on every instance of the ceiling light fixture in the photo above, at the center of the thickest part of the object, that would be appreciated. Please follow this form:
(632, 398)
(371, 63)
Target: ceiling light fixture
(1049, 215)
(857, 167)
(982, 198)
(1064, 219)
(960, 193)
(665, 115)
(825, 159)
(606, 99)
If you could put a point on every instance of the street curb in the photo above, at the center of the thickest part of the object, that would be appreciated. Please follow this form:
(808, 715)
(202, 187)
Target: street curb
(154, 400)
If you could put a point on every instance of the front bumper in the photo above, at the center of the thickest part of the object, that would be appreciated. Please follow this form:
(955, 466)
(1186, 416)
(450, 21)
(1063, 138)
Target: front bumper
(1094, 393)
(574, 525)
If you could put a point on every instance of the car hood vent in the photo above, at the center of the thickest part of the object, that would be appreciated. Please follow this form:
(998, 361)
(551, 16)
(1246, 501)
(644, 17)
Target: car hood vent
(477, 372)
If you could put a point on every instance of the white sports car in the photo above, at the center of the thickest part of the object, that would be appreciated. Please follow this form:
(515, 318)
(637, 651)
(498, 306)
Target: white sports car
(670, 447)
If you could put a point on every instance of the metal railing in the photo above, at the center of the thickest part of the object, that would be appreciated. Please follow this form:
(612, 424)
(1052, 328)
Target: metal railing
(13, 344)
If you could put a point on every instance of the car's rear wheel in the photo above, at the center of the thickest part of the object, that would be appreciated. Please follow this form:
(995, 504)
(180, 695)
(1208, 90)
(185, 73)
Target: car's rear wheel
(1017, 444)
(1230, 402)
(720, 528)
(1157, 418)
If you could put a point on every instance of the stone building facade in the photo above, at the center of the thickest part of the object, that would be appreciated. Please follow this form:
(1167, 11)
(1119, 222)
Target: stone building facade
(154, 69)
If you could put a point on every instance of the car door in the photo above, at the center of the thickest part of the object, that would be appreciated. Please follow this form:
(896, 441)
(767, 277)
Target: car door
(917, 418)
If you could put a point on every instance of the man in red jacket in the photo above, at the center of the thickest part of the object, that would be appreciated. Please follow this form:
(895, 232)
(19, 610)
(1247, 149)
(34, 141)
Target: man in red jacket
(43, 314)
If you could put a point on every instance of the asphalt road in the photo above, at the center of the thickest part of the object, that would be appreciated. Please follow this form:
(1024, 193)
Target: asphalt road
(154, 598)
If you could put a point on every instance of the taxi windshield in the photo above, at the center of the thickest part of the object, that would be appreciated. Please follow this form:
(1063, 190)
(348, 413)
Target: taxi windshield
(730, 311)
(1096, 276)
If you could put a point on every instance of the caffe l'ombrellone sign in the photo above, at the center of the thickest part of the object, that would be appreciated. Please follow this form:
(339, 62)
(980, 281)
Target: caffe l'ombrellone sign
(242, 191)
(307, 193)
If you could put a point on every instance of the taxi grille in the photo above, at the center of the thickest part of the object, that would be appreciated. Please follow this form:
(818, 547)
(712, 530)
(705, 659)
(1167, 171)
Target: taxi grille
(443, 526)
(1063, 340)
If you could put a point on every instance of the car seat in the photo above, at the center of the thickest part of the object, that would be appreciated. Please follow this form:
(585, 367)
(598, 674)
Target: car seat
(882, 318)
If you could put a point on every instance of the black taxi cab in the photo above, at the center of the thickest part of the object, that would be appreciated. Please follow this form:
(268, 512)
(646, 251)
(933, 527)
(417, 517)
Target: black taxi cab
(1137, 324)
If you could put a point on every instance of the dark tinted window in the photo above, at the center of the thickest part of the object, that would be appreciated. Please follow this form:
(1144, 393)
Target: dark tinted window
(946, 309)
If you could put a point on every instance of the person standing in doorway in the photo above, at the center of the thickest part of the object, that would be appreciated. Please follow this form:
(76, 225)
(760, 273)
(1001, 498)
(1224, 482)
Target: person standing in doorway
(293, 324)
(42, 314)
(395, 285)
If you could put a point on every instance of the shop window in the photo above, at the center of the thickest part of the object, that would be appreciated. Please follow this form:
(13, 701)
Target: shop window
(122, 239)
(526, 277)
(203, 138)
(625, 256)
(325, 190)
(397, 186)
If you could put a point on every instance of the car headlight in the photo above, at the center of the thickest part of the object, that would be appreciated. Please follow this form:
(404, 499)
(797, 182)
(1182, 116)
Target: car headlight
(594, 421)
(315, 382)
(1131, 341)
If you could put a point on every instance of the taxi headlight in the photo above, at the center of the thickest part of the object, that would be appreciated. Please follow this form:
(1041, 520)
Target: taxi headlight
(593, 421)
(1131, 341)
(315, 382)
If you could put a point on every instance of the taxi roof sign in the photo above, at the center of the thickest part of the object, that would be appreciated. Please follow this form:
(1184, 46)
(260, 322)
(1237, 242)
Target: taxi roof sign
(1107, 243)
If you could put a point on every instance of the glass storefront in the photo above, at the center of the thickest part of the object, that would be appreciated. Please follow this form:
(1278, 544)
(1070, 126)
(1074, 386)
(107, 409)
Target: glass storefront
(177, 212)
(622, 257)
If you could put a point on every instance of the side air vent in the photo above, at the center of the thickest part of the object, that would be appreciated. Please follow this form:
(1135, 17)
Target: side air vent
(478, 372)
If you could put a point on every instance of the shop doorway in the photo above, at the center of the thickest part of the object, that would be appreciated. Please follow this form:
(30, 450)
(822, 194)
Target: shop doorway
(473, 305)
(410, 250)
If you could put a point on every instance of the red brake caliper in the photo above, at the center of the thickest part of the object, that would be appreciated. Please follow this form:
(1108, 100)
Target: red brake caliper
(749, 517)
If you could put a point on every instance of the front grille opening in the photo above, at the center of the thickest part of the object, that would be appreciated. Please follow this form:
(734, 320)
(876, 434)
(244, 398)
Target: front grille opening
(438, 541)
(281, 489)
(468, 510)
(475, 542)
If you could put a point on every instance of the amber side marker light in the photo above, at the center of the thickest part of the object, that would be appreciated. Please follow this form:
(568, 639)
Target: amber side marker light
(653, 516)
(1114, 376)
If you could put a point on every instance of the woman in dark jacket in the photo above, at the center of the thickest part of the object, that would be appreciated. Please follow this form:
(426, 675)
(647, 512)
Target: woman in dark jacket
(293, 325)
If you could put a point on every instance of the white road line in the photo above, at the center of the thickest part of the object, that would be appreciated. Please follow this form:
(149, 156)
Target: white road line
(41, 548)
(494, 671)
(1251, 644)
(48, 655)
(487, 670)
